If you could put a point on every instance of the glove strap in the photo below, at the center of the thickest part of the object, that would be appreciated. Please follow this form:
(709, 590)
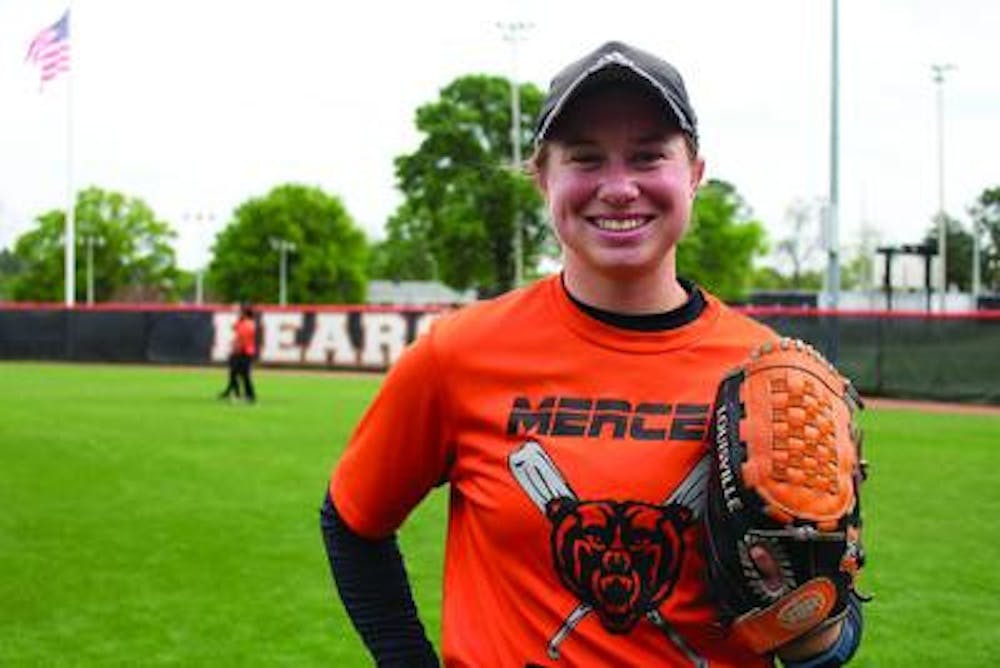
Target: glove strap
(845, 647)
(787, 618)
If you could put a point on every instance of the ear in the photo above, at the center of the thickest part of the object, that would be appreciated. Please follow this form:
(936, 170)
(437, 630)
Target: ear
(697, 173)
(541, 183)
(539, 169)
(540, 176)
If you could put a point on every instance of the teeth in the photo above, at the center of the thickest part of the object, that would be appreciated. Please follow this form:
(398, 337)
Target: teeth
(618, 224)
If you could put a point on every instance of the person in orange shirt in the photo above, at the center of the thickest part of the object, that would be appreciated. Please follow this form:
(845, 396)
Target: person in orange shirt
(241, 356)
(569, 419)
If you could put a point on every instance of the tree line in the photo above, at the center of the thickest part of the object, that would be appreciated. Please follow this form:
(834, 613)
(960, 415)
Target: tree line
(462, 199)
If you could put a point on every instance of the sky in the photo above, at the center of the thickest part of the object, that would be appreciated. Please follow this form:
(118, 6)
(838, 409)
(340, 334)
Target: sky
(195, 106)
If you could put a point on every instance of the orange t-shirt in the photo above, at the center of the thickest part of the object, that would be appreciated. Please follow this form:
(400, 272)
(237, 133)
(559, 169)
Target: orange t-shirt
(574, 451)
(246, 337)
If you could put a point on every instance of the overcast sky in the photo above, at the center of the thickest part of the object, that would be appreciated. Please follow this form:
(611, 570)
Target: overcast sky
(196, 105)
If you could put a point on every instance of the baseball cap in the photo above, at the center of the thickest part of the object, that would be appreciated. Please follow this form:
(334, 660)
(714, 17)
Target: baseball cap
(617, 61)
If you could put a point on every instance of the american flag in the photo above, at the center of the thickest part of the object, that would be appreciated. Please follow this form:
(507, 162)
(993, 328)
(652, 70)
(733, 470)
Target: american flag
(50, 49)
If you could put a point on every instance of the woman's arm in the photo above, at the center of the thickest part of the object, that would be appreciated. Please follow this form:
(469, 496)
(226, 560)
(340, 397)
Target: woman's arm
(375, 590)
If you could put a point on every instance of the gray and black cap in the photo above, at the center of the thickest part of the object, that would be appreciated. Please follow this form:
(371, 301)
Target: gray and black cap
(617, 61)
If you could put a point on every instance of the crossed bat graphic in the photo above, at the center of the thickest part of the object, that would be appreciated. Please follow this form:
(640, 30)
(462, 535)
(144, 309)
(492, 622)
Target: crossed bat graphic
(538, 476)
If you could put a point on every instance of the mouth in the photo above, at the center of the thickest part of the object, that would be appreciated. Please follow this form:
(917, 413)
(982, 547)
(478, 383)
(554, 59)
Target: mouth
(618, 224)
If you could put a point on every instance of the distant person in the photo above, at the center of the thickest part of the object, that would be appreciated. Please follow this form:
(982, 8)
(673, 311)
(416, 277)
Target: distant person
(241, 356)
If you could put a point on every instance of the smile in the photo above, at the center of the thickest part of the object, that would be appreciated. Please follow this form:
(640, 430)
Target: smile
(618, 224)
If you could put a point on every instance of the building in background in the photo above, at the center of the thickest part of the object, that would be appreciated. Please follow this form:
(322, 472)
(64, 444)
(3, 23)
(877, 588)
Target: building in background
(416, 292)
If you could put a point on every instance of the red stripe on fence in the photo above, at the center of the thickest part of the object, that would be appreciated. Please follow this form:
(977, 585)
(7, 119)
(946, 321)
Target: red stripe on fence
(806, 312)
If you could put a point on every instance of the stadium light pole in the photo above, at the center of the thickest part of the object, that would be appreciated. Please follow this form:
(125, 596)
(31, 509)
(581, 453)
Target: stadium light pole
(939, 71)
(199, 218)
(199, 286)
(284, 247)
(832, 217)
(976, 285)
(513, 32)
(91, 240)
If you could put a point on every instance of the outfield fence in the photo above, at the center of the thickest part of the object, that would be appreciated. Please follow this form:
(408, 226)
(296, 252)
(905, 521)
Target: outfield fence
(919, 355)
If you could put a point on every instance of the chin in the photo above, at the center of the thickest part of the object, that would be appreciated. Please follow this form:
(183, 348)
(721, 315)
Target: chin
(627, 269)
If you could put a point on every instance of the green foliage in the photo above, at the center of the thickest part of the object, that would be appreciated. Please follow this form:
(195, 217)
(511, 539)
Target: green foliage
(857, 273)
(328, 264)
(406, 253)
(768, 278)
(721, 243)
(186, 287)
(803, 218)
(986, 213)
(461, 196)
(132, 253)
(10, 267)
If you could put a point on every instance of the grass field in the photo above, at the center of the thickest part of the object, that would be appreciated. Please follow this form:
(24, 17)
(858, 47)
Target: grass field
(142, 522)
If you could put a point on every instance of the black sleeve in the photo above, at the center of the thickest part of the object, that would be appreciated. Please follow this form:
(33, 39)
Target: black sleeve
(375, 590)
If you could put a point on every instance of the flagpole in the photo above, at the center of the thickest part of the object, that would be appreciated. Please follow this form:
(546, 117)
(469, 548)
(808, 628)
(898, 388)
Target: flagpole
(70, 235)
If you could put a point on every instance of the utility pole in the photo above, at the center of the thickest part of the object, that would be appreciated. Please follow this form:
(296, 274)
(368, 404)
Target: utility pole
(939, 71)
(512, 32)
(284, 247)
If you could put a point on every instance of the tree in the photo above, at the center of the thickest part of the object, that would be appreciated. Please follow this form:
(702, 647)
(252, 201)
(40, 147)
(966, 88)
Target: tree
(406, 253)
(858, 270)
(803, 218)
(721, 243)
(958, 247)
(10, 267)
(856, 273)
(769, 279)
(985, 214)
(132, 252)
(327, 264)
(461, 196)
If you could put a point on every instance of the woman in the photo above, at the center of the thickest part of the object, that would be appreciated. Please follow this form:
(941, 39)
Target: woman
(568, 418)
(241, 356)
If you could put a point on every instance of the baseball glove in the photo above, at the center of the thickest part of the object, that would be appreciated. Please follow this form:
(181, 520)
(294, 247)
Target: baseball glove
(783, 519)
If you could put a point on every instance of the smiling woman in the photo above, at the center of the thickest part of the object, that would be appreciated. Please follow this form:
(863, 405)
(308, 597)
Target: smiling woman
(619, 181)
(568, 417)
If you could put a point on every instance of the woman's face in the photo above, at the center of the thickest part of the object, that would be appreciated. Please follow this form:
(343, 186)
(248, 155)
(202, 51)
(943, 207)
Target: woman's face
(619, 182)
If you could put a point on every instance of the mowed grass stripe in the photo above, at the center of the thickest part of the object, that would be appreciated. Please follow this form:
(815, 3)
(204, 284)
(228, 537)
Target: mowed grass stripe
(147, 523)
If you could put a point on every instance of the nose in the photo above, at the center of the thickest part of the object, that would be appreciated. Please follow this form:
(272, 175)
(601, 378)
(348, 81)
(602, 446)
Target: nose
(618, 187)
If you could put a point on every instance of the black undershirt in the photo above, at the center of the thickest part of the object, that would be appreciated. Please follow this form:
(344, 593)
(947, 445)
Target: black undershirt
(651, 322)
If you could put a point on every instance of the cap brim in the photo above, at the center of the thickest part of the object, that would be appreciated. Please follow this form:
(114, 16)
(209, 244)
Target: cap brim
(611, 72)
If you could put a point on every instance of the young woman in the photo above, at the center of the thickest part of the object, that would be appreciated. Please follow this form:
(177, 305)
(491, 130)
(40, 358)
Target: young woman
(241, 356)
(568, 418)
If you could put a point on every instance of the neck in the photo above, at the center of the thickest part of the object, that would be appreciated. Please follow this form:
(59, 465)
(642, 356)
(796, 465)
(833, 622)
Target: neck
(657, 292)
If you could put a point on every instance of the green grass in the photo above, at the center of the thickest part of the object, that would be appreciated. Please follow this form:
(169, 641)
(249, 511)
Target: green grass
(145, 523)
(931, 508)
